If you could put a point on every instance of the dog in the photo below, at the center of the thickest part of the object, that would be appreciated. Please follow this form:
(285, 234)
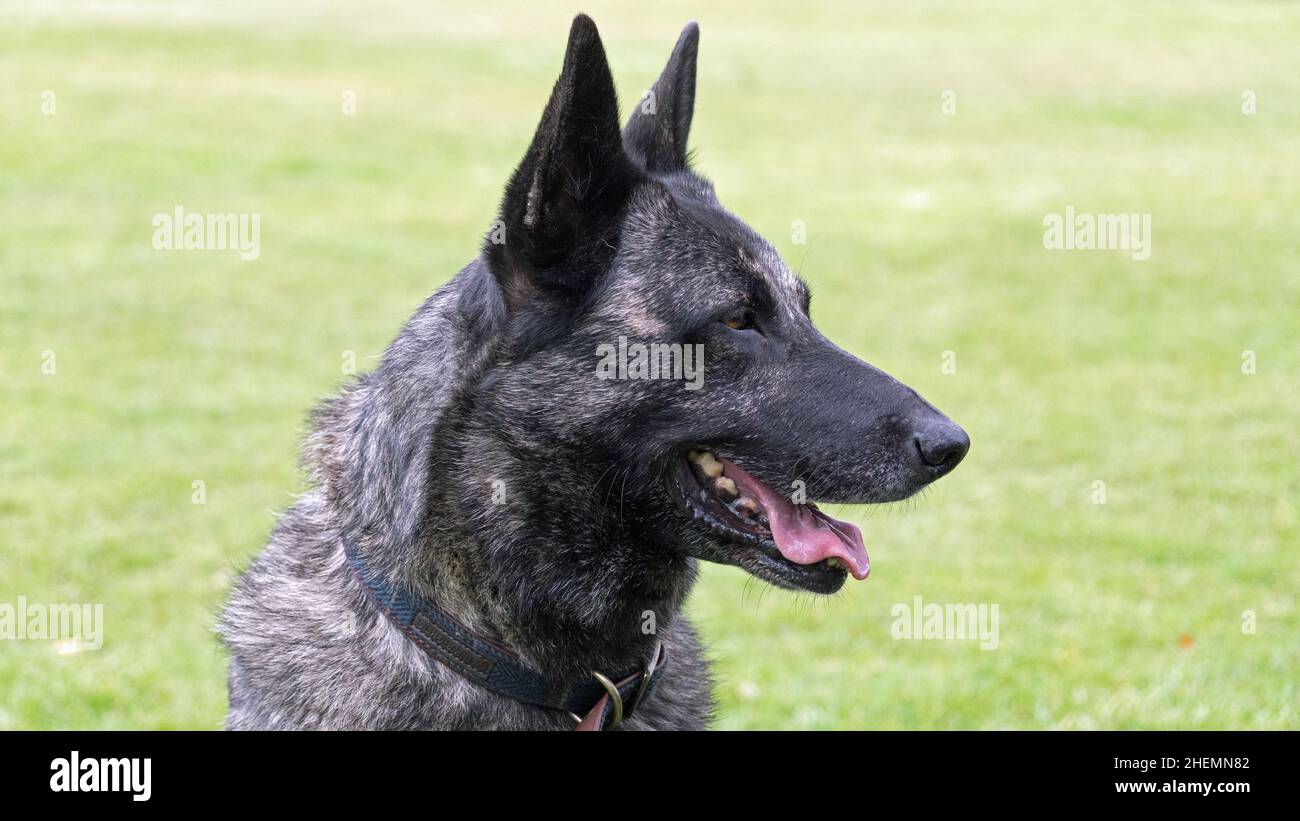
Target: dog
(500, 533)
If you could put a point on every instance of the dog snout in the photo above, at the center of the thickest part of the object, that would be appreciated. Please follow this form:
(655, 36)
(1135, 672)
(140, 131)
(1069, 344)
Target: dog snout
(941, 444)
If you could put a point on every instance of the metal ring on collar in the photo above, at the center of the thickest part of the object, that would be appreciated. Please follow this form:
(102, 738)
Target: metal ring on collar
(645, 676)
(612, 689)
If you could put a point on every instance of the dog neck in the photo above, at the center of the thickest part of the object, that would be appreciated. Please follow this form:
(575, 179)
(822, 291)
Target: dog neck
(409, 468)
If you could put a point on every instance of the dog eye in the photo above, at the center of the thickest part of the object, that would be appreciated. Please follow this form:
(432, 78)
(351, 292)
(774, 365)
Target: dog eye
(739, 320)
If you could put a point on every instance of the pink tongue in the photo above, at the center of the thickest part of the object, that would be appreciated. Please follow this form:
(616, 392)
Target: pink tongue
(802, 533)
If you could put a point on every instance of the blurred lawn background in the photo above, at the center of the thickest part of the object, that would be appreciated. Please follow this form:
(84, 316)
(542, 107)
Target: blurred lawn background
(924, 236)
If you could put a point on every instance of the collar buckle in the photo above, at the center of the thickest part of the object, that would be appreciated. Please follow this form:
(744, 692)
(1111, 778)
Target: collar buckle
(594, 719)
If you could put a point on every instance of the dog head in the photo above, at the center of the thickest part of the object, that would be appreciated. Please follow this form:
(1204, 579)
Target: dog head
(660, 375)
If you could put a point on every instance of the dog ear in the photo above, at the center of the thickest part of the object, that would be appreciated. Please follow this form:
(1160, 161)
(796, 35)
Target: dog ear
(657, 131)
(561, 203)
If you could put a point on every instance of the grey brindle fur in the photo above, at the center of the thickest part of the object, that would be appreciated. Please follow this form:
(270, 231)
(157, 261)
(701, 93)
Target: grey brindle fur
(491, 386)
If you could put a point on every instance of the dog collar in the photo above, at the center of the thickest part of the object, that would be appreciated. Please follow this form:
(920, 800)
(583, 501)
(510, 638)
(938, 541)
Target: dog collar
(596, 702)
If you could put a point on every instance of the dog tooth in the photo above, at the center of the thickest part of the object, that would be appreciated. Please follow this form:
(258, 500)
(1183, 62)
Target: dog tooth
(748, 505)
(726, 485)
(832, 562)
(711, 466)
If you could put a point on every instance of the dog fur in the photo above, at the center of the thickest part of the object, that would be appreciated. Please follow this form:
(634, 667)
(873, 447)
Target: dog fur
(485, 468)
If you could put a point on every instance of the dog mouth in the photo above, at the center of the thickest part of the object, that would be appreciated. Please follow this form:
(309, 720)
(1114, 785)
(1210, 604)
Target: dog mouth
(787, 543)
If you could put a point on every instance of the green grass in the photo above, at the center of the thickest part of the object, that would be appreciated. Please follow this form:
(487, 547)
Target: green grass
(924, 236)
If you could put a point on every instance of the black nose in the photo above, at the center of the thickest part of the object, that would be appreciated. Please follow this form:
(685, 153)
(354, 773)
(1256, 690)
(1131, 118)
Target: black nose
(942, 444)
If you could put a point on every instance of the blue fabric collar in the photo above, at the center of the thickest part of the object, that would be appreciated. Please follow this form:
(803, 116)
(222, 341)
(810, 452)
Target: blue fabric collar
(494, 667)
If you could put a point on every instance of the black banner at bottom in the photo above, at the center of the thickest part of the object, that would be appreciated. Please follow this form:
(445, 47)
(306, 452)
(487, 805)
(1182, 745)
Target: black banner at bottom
(138, 771)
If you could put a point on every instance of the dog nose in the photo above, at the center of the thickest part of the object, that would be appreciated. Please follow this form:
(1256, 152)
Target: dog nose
(942, 444)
